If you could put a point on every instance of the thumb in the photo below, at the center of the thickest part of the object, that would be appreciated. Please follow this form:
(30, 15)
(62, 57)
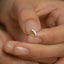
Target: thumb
(52, 35)
(28, 20)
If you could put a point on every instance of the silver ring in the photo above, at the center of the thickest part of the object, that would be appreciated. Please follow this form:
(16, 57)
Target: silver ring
(34, 32)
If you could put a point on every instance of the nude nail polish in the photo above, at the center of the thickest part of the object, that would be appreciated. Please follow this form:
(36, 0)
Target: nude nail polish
(9, 47)
(31, 25)
(21, 51)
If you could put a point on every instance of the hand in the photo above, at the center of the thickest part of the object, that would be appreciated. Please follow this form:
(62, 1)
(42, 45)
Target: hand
(19, 17)
(8, 59)
(52, 34)
(14, 18)
(52, 19)
(5, 58)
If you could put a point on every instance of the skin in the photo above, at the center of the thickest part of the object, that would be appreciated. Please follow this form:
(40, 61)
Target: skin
(14, 18)
(8, 59)
(53, 33)
(14, 32)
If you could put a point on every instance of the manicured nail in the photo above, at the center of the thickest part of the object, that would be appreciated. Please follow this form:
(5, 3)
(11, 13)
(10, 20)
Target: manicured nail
(31, 25)
(21, 51)
(9, 47)
(32, 39)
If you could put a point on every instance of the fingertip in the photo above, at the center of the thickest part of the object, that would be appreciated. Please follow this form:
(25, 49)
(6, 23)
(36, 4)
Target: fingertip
(9, 46)
(32, 24)
(29, 20)
(33, 39)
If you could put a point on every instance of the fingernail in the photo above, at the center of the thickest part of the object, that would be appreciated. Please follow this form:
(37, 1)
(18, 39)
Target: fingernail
(21, 51)
(31, 25)
(9, 47)
(35, 40)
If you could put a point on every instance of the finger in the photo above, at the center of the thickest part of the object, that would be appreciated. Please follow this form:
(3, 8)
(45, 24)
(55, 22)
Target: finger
(13, 28)
(19, 35)
(46, 7)
(28, 18)
(5, 58)
(32, 39)
(14, 33)
(52, 35)
(35, 52)
(60, 61)
(55, 18)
